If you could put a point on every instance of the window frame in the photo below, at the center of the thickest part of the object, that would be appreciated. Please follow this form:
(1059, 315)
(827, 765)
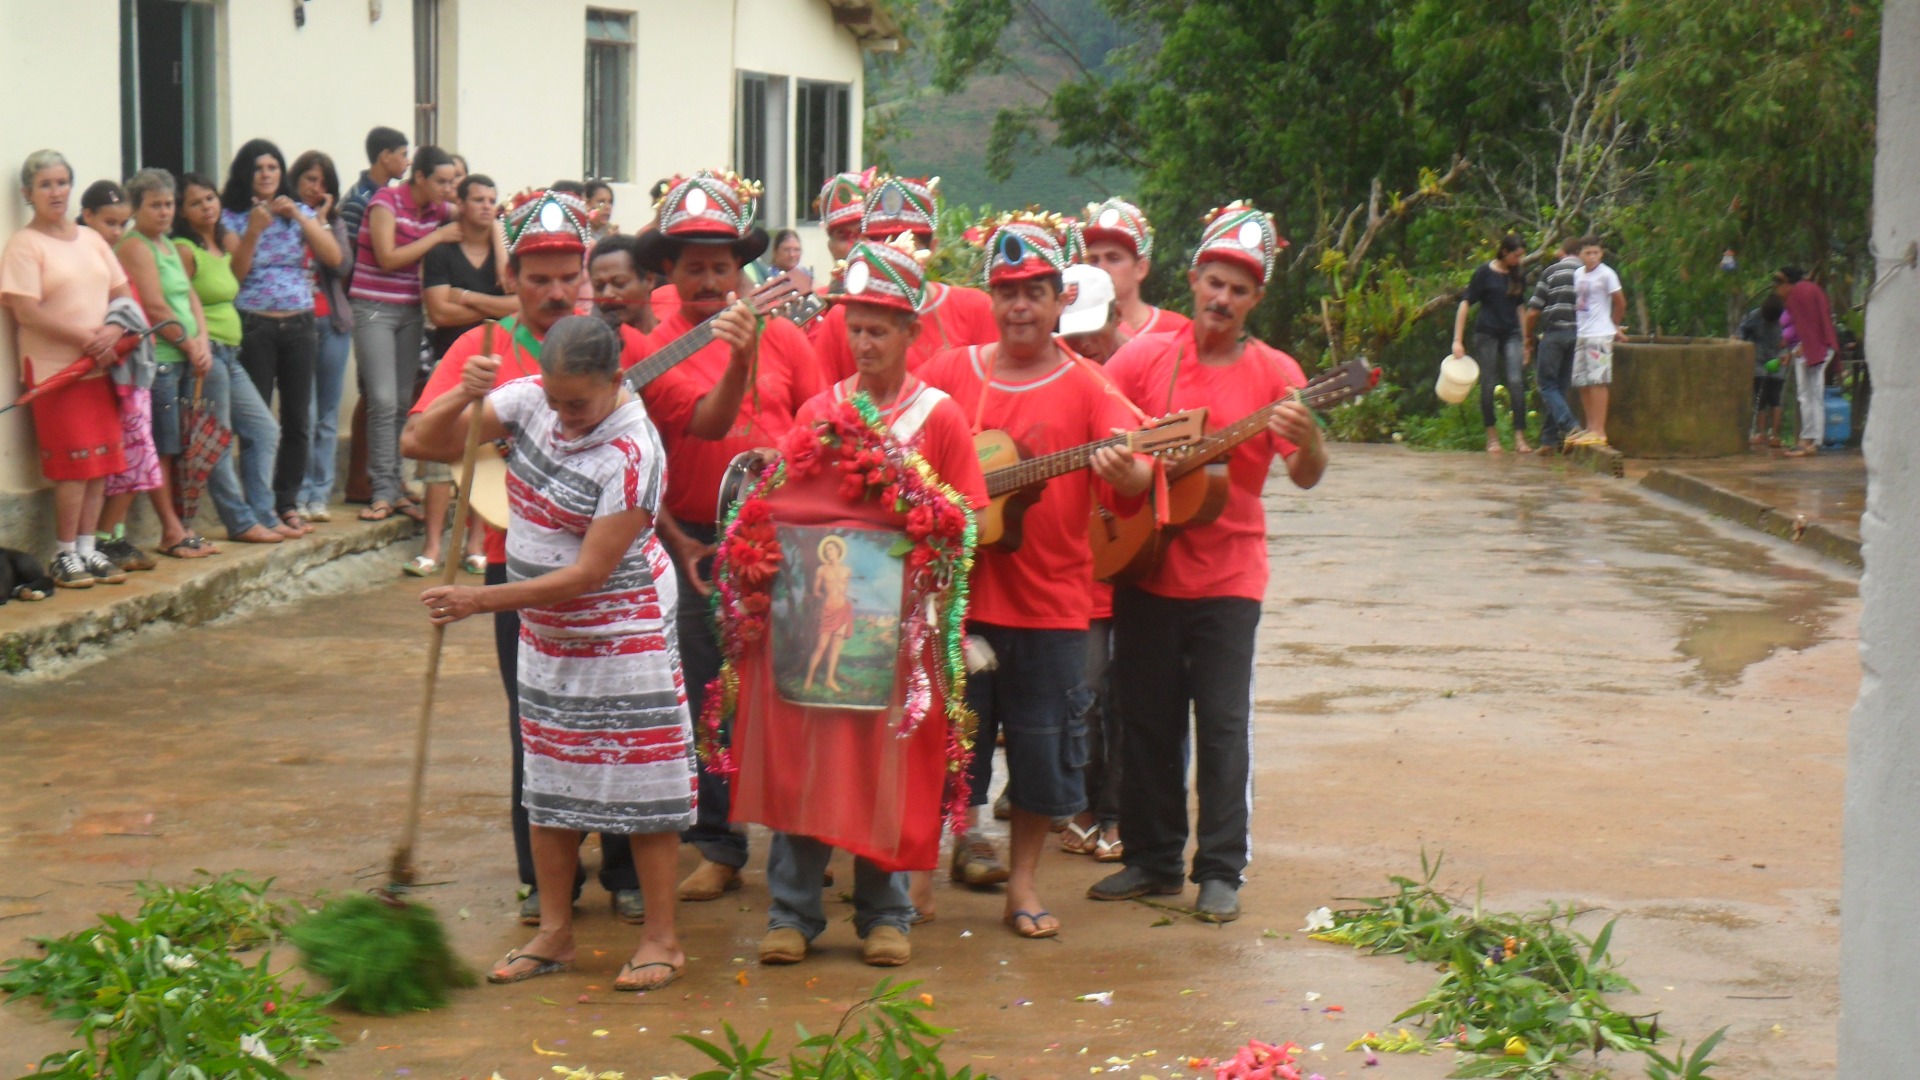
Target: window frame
(839, 137)
(607, 151)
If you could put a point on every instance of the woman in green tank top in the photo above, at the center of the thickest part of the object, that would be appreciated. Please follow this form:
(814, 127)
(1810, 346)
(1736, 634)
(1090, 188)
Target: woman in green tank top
(165, 290)
(215, 285)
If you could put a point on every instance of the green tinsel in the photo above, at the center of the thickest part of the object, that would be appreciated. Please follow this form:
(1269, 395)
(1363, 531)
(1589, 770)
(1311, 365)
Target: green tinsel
(385, 959)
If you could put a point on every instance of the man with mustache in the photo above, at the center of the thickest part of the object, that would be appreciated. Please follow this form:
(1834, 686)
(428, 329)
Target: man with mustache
(622, 292)
(955, 316)
(546, 243)
(1183, 636)
(1032, 605)
(703, 236)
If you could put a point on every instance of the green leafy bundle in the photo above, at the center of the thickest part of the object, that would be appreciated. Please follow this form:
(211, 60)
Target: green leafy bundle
(162, 995)
(381, 958)
(892, 1039)
(1519, 995)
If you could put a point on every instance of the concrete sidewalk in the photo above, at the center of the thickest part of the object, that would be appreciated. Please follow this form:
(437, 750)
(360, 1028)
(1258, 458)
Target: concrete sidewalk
(75, 625)
(1815, 502)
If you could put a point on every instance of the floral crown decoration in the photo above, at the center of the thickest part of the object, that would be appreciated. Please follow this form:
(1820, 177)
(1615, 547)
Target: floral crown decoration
(891, 273)
(1239, 233)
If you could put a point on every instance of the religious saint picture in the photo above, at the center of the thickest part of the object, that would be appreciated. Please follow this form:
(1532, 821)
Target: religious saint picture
(836, 617)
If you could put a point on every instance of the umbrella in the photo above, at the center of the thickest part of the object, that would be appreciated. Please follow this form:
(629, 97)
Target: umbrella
(203, 440)
(128, 342)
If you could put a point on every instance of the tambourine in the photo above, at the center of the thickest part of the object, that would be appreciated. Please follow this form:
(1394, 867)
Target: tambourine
(745, 468)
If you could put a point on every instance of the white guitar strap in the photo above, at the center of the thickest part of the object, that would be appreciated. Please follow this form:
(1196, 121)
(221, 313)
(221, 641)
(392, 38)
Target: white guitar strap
(914, 417)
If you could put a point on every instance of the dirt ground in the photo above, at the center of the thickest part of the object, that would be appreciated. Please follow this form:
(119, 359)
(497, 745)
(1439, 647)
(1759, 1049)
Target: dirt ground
(1576, 691)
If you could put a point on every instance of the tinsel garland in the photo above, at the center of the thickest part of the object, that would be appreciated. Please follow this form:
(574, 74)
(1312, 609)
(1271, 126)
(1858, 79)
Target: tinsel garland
(855, 440)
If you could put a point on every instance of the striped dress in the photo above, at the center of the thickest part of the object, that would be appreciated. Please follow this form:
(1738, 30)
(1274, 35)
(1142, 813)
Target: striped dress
(603, 708)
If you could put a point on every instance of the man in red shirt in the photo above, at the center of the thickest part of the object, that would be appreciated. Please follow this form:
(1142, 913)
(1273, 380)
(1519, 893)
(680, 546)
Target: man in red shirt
(547, 237)
(1183, 636)
(954, 316)
(879, 290)
(706, 414)
(1120, 241)
(1033, 605)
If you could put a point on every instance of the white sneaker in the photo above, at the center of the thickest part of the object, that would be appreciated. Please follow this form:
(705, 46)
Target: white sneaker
(317, 512)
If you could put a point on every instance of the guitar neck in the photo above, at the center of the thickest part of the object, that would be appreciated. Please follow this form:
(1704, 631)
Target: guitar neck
(1219, 443)
(670, 354)
(1047, 466)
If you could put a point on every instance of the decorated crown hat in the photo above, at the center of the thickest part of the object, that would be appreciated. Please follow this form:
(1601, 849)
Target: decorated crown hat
(1237, 233)
(889, 274)
(539, 221)
(900, 204)
(844, 200)
(1118, 221)
(1073, 240)
(705, 208)
(1025, 245)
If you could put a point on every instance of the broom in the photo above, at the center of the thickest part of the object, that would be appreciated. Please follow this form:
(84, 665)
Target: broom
(383, 954)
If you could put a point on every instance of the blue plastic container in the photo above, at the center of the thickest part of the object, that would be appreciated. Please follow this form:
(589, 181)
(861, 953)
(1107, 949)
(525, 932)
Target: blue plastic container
(1839, 417)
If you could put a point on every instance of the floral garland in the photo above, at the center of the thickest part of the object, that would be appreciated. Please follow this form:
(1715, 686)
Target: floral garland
(938, 549)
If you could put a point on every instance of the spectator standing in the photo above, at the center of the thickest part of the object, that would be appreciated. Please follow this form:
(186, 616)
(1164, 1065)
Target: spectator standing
(1497, 288)
(1600, 305)
(182, 357)
(58, 278)
(1761, 326)
(1551, 330)
(278, 341)
(104, 209)
(401, 226)
(387, 161)
(242, 481)
(1816, 343)
(461, 288)
(599, 196)
(317, 185)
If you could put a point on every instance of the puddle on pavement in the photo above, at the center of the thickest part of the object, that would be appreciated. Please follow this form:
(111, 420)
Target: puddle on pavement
(1726, 643)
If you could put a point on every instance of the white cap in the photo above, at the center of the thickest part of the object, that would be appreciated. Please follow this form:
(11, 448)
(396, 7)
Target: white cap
(1089, 293)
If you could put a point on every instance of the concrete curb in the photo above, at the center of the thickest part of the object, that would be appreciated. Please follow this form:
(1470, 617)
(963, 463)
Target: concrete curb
(1601, 459)
(241, 578)
(1754, 514)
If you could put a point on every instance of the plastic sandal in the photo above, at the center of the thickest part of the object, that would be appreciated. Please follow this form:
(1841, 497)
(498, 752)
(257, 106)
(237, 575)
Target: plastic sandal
(421, 566)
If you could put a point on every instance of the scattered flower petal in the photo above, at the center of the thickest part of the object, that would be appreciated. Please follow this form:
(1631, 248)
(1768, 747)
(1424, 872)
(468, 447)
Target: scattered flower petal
(1317, 920)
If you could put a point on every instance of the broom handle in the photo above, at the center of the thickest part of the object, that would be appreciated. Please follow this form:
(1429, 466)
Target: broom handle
(402, 869)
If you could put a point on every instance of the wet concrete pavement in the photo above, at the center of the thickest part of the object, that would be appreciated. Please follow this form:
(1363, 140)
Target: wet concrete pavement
(1575, 690)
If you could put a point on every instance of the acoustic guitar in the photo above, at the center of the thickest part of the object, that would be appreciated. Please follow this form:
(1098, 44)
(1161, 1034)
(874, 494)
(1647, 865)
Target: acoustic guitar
(1014, 484)
(1129, 548)
(778, 295)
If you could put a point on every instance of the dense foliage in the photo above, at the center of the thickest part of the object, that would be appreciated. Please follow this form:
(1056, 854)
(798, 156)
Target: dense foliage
(1679, 129)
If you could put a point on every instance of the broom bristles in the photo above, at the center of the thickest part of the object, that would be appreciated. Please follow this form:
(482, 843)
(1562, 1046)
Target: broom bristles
(384, 958)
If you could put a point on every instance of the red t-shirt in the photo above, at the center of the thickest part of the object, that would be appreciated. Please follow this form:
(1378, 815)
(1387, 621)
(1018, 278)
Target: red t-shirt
(1161, 321)
(515, 363)
(955, 318)
(945, 438)
(1227, 556)
(696, 466)
(1048, 583)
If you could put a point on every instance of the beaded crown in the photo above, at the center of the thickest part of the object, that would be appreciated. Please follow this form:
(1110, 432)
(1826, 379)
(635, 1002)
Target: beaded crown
(1240, 234)
(1118, 221)
(889, 274)
(900, 204)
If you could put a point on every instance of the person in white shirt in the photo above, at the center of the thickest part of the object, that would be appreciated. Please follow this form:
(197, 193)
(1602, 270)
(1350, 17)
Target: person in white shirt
(1600, 306)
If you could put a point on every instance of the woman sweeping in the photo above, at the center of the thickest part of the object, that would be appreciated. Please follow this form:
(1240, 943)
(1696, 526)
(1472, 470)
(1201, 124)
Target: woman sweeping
(604, 722)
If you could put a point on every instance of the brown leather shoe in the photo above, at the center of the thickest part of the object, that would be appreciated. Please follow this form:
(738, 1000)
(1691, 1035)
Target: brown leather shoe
(783, 945)
(886, 946)
(708, 881)
(976, 863)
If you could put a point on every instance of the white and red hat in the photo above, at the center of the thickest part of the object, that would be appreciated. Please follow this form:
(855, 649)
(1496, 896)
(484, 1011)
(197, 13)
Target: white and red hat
(843, 201)
(1118, 221)
(705, 208)
(1088, 291)
(538, 221)
(1025, 245)
(901, 204)
(889, 274)
(1239, 234)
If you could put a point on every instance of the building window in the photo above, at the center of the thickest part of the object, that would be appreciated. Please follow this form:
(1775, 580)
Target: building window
(823, 113)
(167, 87)
(760, 142)
(426, 72)
(609, 123)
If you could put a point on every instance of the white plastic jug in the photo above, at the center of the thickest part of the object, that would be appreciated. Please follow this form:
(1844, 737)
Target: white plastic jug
(1457, 376)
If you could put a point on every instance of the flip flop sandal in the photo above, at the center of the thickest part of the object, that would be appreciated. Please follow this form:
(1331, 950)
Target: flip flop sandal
(1034, 918)
(409, 508)
(1080, 839)
(191, 543)
(379, 511)
(623, 983)
(542, 966)
(1109, 851)
(421, 566)
(474, 564)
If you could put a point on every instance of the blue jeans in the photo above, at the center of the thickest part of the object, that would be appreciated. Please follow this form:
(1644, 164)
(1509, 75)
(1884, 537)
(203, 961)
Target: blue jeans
(1553, 367)
(717, 840)
(329, 380)
(386, 338)
(795, 865)
(1502, 359)
(242, 480)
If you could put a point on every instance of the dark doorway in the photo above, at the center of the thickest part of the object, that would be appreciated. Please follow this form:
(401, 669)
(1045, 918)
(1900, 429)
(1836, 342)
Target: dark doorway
(167, 86)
